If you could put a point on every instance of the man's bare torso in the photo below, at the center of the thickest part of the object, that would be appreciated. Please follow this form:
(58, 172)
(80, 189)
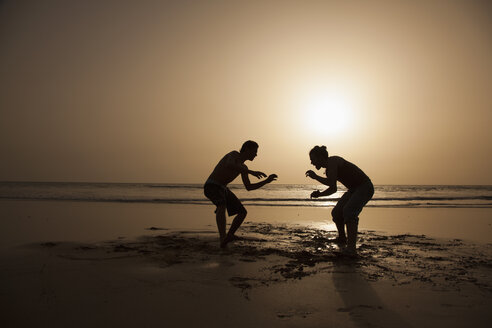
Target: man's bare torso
(227, 169)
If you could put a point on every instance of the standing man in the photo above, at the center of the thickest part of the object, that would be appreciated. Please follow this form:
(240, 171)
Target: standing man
(360, 191)
(215, 188)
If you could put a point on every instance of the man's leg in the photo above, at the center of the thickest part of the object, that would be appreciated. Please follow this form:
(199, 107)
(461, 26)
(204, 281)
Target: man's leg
(351, 212)
(352, 229)
(236, 223)
(217, 194)
(234, 206)
(337, 214)
(221, 221)
(341, 231)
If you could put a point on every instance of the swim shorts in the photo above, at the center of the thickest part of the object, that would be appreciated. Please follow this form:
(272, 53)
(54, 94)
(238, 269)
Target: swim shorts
(221, 195)
(351, 203)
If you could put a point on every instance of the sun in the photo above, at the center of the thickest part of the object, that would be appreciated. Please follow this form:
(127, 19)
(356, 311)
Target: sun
(327, 112)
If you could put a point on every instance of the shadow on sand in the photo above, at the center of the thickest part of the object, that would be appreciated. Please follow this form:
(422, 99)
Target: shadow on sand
(361, 301)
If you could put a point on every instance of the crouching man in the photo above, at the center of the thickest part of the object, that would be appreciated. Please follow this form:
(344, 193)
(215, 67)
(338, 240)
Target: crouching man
(360, 191)
(215, 188)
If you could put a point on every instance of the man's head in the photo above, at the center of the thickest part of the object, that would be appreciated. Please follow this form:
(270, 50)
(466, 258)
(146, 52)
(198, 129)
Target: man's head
(249, 149)
(318, 156)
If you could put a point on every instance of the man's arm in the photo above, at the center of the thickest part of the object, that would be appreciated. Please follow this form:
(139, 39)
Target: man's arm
(244, 170)
(330, 180)
(234, 163)
(318, 178)
(252, 186)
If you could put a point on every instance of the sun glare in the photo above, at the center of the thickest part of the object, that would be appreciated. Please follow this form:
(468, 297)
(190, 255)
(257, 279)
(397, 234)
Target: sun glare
(327, 112)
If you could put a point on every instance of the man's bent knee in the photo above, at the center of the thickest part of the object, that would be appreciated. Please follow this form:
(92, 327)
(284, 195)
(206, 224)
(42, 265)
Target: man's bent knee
(337, 216)
(338, 220)
(243, 212)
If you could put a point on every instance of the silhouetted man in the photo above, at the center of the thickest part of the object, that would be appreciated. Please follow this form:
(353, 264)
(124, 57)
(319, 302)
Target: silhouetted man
(360, 191)
(215, 188)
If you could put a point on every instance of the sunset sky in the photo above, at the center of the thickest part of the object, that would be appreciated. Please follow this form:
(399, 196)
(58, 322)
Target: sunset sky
(159, 91)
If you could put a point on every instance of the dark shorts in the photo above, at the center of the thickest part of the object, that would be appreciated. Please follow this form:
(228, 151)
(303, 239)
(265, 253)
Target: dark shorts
(351, 203)
(222, 196)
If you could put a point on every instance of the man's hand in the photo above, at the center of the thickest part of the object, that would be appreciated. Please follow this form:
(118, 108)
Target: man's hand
(258, 174)
(311, 174)
(316, 194)
(272, 177)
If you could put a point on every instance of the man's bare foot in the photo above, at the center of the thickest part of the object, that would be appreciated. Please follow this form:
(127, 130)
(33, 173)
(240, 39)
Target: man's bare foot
(228, 239)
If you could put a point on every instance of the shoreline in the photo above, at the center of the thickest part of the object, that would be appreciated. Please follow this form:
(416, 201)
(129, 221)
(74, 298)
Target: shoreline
(25, 220)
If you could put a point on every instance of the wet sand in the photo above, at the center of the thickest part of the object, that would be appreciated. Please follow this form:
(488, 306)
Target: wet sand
(166, 269)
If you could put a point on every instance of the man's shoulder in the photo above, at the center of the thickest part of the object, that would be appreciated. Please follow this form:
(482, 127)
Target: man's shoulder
(231, 158)
(232, 155)
(336, 160)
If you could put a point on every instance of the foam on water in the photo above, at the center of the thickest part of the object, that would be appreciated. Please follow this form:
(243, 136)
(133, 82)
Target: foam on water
(270, 195)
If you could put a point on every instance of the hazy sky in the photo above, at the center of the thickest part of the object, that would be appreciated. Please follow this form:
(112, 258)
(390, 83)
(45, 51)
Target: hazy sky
(158, 91)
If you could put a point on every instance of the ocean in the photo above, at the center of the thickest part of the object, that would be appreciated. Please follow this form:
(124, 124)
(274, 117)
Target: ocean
(270, 195)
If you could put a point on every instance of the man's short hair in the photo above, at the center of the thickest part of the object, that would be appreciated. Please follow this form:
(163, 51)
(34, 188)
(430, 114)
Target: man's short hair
(248, 145)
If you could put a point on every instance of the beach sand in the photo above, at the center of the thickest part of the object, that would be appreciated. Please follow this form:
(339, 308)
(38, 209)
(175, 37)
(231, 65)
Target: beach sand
(81, 264)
